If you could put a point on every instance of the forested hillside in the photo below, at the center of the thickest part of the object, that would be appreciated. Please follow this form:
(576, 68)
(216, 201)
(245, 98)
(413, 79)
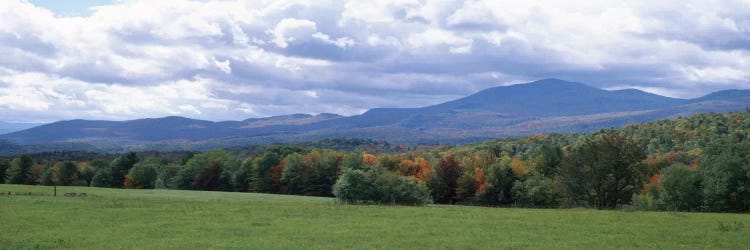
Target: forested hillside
(696, 163)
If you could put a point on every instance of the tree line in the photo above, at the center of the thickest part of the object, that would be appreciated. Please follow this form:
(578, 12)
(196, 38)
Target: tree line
(698, 163)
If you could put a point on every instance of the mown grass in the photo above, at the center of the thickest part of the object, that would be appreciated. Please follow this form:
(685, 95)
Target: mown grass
(156, 219)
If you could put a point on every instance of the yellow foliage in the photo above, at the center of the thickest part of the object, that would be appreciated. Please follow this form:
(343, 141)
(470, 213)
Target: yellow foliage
(519, 166)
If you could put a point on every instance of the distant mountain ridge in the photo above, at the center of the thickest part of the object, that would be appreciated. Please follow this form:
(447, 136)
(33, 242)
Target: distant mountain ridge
(10, 127)
(545, 106)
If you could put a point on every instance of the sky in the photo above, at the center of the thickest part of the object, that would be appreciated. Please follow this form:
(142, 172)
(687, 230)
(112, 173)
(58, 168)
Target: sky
(232, 60)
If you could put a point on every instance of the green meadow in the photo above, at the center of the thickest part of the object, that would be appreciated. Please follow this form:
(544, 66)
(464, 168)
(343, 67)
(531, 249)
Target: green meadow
(158, 219)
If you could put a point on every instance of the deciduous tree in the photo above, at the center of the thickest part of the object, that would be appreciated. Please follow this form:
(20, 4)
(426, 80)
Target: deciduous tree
(604, 172)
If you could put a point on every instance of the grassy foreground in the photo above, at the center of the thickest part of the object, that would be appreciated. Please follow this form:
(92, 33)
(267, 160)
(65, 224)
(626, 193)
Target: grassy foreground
(155, 219)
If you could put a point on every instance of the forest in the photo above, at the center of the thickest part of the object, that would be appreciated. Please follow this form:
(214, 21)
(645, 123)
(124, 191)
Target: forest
(696, 163)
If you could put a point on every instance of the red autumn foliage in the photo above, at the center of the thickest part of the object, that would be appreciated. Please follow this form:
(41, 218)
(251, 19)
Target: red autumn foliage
(653, 183)
(481, 180)
(208, 178)
(275, 173)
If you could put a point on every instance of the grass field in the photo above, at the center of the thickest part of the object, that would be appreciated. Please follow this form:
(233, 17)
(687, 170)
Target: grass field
(154, 219)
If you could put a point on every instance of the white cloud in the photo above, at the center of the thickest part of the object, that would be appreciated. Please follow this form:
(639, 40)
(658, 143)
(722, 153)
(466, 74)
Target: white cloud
(311, 93)
(42, 95)
(431, 37)
(714, 74)
(674, 93)
(340, 42)
(472, 13)
(224, 66)
(291, 29)
(233, 59)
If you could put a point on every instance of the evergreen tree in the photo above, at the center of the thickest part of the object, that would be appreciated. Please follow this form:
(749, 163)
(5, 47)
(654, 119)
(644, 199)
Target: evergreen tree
(120, 167)
(19, 171)
(4, 165)
(66, 174)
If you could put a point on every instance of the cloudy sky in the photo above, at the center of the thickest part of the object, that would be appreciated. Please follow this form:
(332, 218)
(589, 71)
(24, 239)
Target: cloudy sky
(232, 60)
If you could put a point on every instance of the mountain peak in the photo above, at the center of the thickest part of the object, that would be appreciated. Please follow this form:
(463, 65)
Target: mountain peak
(328, 115)
(547, 81)
(553, 97)
(169, 118)
(548, 86)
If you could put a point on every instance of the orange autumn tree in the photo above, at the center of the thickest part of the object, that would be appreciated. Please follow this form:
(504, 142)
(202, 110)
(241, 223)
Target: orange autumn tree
(418, 168)
(368, 159)
(424, 169)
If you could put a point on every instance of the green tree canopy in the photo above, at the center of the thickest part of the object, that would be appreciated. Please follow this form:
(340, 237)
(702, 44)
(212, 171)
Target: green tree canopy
(604, 172)
(680, 188)
(725, 170)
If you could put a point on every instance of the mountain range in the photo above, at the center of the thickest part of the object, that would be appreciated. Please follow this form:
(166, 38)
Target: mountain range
(544, 106)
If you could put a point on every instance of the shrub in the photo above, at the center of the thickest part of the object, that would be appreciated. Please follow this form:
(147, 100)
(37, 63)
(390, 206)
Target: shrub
(536, 191)
(378, 186)
(646, 202)
(102, 178)
(395, 189)
(357, 186)
(142, 176)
